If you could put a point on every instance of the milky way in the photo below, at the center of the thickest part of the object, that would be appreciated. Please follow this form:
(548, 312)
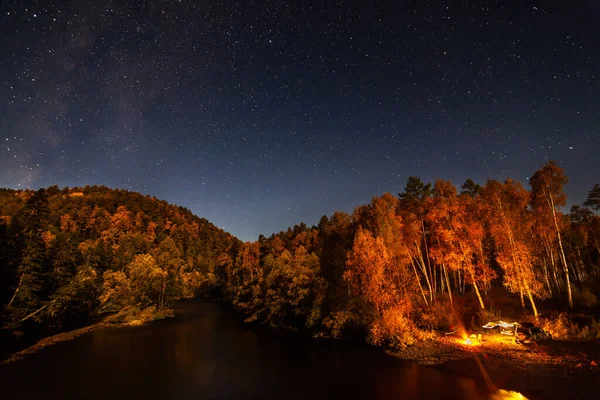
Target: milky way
(261, 114)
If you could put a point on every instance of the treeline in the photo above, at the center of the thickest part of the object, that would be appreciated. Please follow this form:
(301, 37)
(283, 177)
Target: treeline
(390, 269)
(385, 268)
(66, 254)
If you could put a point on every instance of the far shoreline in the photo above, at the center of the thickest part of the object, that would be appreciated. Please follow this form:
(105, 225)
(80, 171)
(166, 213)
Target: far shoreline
(108, 322)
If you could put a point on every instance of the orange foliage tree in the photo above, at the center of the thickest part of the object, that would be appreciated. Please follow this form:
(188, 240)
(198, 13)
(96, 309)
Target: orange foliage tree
(510, 227)
(547, 196)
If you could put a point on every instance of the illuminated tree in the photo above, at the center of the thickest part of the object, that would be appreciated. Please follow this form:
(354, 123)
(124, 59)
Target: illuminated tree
(510, 227)
(413, 206)
(365, 273)
(383, 221)
(146, 280)
(546, 197)
(459, 235)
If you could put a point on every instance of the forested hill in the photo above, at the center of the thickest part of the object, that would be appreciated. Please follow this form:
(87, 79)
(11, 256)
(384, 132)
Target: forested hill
(74, 252)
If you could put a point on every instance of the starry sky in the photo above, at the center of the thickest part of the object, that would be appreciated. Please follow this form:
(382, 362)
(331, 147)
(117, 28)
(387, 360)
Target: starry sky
(258, 115)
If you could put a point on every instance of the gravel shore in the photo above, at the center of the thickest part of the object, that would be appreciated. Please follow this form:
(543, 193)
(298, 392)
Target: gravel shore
(554, 369)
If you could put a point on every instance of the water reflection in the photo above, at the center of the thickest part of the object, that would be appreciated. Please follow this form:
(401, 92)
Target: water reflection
(211, 355)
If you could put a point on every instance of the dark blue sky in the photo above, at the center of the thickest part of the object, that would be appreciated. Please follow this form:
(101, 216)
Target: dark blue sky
(261, 114)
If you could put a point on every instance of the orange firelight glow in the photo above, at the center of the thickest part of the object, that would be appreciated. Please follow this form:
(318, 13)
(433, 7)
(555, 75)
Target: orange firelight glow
(507, 395)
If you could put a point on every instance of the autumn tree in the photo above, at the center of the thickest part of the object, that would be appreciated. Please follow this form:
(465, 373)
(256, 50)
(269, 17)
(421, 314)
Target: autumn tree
(459, 235)
(293, 289)
(244, 278)
(379, 271)
(366, 276)
(547, 196)
(475, 233)
(510, 227)
(383, 300)
(413, 210)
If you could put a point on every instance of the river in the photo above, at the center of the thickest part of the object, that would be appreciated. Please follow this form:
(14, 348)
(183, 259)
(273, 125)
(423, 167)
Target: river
(208, 353)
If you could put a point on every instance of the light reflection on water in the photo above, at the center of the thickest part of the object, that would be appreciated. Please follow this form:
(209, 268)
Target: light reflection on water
(211, 355)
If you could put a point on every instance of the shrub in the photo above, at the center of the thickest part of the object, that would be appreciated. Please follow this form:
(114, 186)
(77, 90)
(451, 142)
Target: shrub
(559, 327)
(439, 316)
(563, 327)
(164, 313)
(396, 328)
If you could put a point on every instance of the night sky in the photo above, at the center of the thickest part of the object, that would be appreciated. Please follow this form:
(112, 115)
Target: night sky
(258, 115)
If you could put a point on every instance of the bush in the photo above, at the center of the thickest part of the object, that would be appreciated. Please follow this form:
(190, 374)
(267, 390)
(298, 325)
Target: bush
(563, 327)
(439, 316)
(164, 313)
(396, 328)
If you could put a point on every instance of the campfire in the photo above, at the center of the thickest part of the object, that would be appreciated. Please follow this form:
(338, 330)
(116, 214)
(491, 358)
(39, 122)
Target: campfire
(472, 340)
(507, 395)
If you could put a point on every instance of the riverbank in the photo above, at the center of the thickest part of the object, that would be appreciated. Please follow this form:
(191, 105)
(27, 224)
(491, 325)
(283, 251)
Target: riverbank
(554, 369)
(61, 337)
(128, 317)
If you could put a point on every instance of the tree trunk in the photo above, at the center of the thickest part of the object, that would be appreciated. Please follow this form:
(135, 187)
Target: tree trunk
(16, 291)
(423, 268)
(477, 292)
(479, 296)
(557, 281)
(162, 294)
(562, 251)
(427, 253)
(522, 282)
(522, 299)
(552, 264)
(582, 272)
(448, 284)
(419, 281)
(487, 285)
(535, 311)
(442, 281)
(547, 277)
(33, 313)
(597, 244)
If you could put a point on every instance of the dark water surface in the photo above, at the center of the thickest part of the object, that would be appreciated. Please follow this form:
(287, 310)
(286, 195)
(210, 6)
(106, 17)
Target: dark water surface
(207, 353)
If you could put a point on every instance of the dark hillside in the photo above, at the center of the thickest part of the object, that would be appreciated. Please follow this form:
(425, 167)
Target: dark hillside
(68, 254)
